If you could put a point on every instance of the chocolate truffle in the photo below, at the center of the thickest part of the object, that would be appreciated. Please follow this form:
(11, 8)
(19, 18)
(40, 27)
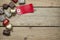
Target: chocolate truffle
(6, 32)
(5, 22)
(15, 1)
(13, 11)
(11, 5)
(5, 6)
(9, 27)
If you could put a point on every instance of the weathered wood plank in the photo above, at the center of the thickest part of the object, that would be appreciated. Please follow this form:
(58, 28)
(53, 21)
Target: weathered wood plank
(44, 2)
(36, 33)
(37, 2)
(41, 17)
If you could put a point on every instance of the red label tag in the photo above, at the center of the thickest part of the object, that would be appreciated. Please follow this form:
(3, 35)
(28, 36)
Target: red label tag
(23, 9)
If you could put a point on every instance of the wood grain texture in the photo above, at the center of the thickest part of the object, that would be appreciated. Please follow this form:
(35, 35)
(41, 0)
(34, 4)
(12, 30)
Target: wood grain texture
(41, 17)
(44, 2)
(36, 33)
(37, 2)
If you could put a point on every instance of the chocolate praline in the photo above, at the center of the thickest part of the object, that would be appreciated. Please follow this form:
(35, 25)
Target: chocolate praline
(11, 5)
(6, 32)
(5, 6)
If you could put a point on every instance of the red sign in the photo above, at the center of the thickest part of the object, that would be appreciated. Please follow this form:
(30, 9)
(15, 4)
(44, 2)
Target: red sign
(24, 9)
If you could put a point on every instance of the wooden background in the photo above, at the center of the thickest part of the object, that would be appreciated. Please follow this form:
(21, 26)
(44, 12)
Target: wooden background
(37, 2)
(45, 19)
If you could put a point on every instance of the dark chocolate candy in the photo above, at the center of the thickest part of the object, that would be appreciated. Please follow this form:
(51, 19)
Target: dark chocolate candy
(6, 32)
(11, 5)
(15, 1)
(5, 6)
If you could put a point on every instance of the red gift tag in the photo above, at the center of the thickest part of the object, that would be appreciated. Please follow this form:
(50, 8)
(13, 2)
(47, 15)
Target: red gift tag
(23, 9)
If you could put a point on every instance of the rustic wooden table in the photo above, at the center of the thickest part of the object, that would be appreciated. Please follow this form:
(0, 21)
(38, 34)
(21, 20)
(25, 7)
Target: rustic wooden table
(43, 24)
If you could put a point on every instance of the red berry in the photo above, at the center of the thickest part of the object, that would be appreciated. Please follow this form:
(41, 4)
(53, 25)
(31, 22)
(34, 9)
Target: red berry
(15, 1)
(5, 22)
